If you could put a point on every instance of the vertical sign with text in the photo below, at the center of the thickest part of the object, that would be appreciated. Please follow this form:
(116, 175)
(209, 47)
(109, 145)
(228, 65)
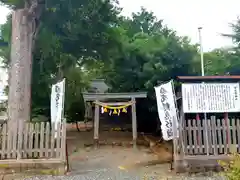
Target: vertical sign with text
(57, 102)
(167, 110)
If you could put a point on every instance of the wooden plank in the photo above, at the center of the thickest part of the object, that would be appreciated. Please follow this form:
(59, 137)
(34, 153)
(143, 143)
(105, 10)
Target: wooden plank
(36, 133)
(175, 139)
(182, 135)
(205, 158)
(238, 134)
(134, 123)
(233, 147)
(198, 119)
(96, 123)
(205, 145)
(219, 135)
(116, 103)
(100, 96)
(42, 139)
(214, 135)
(210, 143)
(52, 146)
(63, 141)
(58, 140)
(26, 139)
(185, 135)
(47, 142)
(4, 139)
(228, 133)
(224, 136)
(32, 161)
(199, 132)
(20, 139)
(30, 145)
(211, 157)
(195, 137)
(8, 141)
(14, 141)
(190, 140)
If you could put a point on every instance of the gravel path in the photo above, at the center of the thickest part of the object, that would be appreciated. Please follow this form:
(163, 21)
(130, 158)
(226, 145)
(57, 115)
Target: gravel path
(119, 164)
(148, 173)
(113, 175)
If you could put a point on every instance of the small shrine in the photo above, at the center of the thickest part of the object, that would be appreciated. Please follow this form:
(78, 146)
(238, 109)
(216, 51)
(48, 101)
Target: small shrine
(110, 103)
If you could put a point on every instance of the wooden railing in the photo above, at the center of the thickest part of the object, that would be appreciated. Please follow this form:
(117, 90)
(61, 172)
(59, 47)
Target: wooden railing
(39, 140)
(220, 136)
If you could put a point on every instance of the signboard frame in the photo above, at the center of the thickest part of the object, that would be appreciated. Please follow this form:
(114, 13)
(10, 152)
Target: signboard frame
(205, 99)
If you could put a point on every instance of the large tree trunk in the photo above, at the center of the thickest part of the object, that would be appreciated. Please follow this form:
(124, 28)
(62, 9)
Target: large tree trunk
(20, 67)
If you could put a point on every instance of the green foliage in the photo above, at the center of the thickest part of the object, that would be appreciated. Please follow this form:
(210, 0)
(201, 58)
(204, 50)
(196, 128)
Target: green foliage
(150, 54)
(74, 104)
(84, 39)
(232, 168)
(71, 32)
(15, 4)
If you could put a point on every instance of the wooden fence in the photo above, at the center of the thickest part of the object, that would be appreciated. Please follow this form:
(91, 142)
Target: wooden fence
(215, 137)
(39, 140)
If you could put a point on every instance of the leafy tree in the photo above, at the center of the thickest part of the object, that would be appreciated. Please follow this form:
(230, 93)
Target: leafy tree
(81, 31)
(74, 104)
(233, 54)
(89, 39)
(220, 62)
(150, 55)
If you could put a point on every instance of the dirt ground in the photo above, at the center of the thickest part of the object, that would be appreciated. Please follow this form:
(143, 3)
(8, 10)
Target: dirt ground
(79, 141)
(144, 161)
(113, 156)
(118, 159)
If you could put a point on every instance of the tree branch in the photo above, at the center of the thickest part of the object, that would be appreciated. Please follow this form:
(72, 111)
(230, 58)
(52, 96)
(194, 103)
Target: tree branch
(34, 36)
(35, 9)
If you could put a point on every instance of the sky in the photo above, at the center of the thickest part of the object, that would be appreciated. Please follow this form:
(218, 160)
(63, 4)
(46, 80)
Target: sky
(185, 16)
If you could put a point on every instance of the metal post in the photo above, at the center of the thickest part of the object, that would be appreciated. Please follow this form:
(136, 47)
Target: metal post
(96, 124)
(201, 49)
(202, 70)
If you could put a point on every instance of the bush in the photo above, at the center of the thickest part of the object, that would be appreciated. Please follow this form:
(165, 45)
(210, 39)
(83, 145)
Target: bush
(232, 168)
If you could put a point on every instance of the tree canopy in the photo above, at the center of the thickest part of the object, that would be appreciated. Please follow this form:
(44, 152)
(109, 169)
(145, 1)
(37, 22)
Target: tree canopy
(86, 39)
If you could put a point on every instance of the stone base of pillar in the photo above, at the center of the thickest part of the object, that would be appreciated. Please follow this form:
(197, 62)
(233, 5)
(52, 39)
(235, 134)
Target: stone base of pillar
(96, 143)
(134, 144)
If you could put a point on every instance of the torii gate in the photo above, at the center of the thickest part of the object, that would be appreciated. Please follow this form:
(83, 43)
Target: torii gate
(97, 97)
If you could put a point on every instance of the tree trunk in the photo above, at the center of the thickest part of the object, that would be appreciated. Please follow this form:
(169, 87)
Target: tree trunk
(20, 71)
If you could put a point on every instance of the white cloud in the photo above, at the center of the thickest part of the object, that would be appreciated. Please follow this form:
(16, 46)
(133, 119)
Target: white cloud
(185, 16)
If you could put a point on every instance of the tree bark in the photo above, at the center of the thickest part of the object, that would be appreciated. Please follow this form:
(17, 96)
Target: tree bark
(20, 71)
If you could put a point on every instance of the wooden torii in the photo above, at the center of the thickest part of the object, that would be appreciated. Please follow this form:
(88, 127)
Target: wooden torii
(96, 97)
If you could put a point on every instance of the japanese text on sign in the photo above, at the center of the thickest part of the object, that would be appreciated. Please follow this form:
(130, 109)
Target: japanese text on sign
(211, 97)
(166, 109)
(57, 101)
